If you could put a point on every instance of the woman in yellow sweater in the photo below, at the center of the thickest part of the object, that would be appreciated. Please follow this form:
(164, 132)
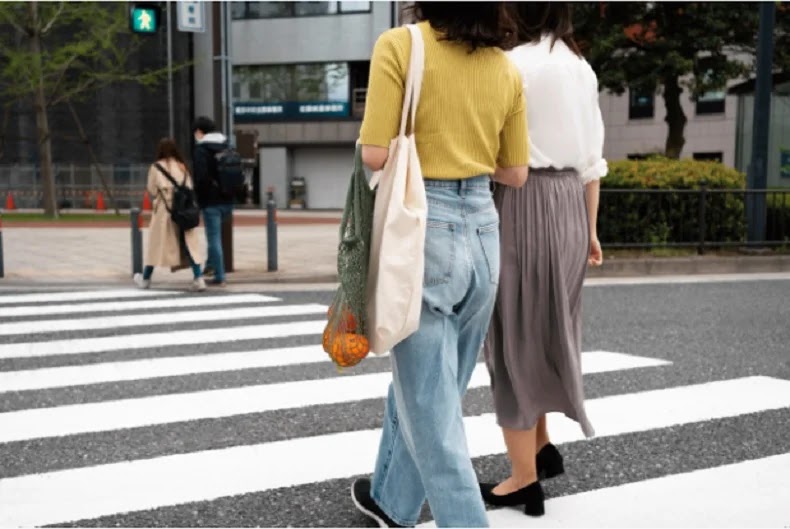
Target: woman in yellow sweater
(470, 126)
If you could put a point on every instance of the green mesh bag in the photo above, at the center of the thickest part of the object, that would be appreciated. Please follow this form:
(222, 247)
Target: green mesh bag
(345, 335)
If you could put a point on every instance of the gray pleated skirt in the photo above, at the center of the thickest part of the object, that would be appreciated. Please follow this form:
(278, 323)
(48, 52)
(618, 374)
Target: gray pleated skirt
(533, 347)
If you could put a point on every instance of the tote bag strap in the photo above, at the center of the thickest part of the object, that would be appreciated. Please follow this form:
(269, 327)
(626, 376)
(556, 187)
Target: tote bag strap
(411, 93)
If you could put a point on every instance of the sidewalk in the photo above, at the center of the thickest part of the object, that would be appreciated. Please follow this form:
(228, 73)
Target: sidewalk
(307, 244)
(307, 252)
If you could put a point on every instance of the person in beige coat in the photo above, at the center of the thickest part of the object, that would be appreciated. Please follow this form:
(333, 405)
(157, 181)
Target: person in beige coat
(168, 245)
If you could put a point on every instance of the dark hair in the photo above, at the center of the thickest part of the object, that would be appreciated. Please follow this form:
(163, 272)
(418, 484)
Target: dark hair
(535, 19)
(167, 148)
(204, 124)
(477, 24)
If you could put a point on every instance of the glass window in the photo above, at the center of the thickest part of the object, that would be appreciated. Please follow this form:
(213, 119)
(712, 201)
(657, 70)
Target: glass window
(269, 9)
(307, 9)
(640, 104)
(318, 82)
(712, 101)
(244, 10)
(709, 156)
(354, 7)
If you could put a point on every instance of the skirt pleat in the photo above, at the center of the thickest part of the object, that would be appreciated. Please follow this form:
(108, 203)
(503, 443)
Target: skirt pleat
(533, 347)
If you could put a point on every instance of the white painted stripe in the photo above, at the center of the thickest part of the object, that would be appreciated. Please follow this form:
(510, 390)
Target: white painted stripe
(80, 375)
(81, 295)
(160, 339)
(142, 320)
(69, 495)
(148, 304)
(74, 419)
(747, 494)
(685, 279)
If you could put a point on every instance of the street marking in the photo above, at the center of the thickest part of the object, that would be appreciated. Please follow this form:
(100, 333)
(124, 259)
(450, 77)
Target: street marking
(148, 304)
(159, 339)
(80, 375)
(142, 320)
(75, 419)
(684, 279)
(53, 297)
(76, 494)
(746, 494)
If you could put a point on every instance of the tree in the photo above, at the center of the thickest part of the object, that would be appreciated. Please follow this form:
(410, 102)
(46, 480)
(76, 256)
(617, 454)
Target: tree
(59, 53)
(667, 46)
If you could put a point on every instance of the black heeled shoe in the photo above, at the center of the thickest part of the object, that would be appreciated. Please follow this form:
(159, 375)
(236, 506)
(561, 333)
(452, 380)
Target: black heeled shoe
(549, 462)
(531, 497)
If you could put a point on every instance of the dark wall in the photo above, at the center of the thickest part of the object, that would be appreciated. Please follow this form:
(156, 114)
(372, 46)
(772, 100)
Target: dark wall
(123, 121)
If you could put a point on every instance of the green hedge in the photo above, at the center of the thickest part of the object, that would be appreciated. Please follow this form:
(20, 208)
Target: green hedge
(673, 217)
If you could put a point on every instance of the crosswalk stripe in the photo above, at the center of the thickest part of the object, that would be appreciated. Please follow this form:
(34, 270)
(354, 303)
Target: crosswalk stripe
(79, 375)
(139, 320)
(58, 377)
(147, 304)
(76, 494)
(54, 297)
(159, 339)
(745, 494)
(163, 409)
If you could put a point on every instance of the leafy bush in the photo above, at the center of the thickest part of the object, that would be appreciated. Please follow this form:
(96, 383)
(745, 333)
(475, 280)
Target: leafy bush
(629, 217)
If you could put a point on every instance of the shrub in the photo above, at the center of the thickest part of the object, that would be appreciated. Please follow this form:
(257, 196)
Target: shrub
(669, 217)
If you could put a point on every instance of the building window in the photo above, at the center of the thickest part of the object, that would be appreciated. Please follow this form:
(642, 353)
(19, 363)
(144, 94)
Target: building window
(252, 10)
(709, 156)
(711, 103)
(294, 91)
(640, 104)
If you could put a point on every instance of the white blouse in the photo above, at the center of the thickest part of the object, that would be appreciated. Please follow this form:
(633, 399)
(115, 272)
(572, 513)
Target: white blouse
(563, 116)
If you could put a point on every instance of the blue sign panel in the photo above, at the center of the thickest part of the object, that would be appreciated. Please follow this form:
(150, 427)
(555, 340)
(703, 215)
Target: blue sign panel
(289, 110)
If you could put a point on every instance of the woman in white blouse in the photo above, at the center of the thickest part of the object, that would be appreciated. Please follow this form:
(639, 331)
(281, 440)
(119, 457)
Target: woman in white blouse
(548, 237)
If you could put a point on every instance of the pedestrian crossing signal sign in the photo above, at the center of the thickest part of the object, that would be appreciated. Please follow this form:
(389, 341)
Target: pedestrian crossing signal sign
(144, 19)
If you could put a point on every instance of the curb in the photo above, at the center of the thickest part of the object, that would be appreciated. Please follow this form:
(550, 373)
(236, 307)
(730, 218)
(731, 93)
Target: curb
(691, 266)
(613, 268)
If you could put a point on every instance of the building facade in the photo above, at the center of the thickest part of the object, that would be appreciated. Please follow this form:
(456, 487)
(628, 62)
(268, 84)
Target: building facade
(300, 72)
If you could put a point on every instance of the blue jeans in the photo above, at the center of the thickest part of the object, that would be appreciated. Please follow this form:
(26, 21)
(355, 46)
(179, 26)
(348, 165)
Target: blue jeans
(213, 216)
(423, 452)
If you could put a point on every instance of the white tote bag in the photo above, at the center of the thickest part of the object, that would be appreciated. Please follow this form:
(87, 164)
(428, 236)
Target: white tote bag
(397, 246)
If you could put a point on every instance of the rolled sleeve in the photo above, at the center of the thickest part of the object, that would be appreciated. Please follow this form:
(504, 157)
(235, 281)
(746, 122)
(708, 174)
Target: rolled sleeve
(595, 167)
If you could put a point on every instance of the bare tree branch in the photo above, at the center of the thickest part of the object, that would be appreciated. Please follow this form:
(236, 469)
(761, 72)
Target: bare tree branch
(54, 19)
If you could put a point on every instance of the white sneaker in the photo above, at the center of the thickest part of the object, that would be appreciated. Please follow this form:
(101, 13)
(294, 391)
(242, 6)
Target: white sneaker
(199, 284)
(140, 282)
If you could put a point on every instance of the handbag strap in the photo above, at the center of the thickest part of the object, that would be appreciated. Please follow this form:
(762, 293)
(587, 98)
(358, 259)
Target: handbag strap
(411, 93)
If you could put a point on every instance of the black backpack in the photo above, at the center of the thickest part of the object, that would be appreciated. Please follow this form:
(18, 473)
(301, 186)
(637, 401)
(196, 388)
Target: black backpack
(230, 176)
(185, 211)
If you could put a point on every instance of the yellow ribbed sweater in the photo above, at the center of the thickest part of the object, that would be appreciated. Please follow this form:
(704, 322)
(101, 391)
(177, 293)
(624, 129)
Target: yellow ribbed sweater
(471, 116)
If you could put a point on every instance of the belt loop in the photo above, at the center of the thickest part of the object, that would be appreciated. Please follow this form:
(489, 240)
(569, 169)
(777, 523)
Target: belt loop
(462, 185)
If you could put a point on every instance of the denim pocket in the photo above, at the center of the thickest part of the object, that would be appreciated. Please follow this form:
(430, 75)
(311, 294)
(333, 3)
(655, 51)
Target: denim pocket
(489, 240)
(439, 252)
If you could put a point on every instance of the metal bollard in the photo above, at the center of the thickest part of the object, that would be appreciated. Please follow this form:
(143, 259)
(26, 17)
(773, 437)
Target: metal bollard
(137, 242)
(271, 231)
(2, 270)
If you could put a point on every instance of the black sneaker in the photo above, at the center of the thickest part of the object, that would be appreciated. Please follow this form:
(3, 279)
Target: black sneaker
(360, 494)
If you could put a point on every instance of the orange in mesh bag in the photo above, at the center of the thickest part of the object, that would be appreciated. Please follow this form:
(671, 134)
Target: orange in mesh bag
(341, 342)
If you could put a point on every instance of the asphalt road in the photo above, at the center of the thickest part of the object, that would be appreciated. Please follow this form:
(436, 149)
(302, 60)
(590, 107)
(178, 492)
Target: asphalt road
(249, 426)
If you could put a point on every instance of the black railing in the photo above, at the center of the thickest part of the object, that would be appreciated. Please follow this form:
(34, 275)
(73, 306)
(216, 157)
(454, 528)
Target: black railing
(690, 218)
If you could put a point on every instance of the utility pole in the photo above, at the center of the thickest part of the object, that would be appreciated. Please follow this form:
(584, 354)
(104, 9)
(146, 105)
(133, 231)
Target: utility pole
(757, 173)
(170, 111)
